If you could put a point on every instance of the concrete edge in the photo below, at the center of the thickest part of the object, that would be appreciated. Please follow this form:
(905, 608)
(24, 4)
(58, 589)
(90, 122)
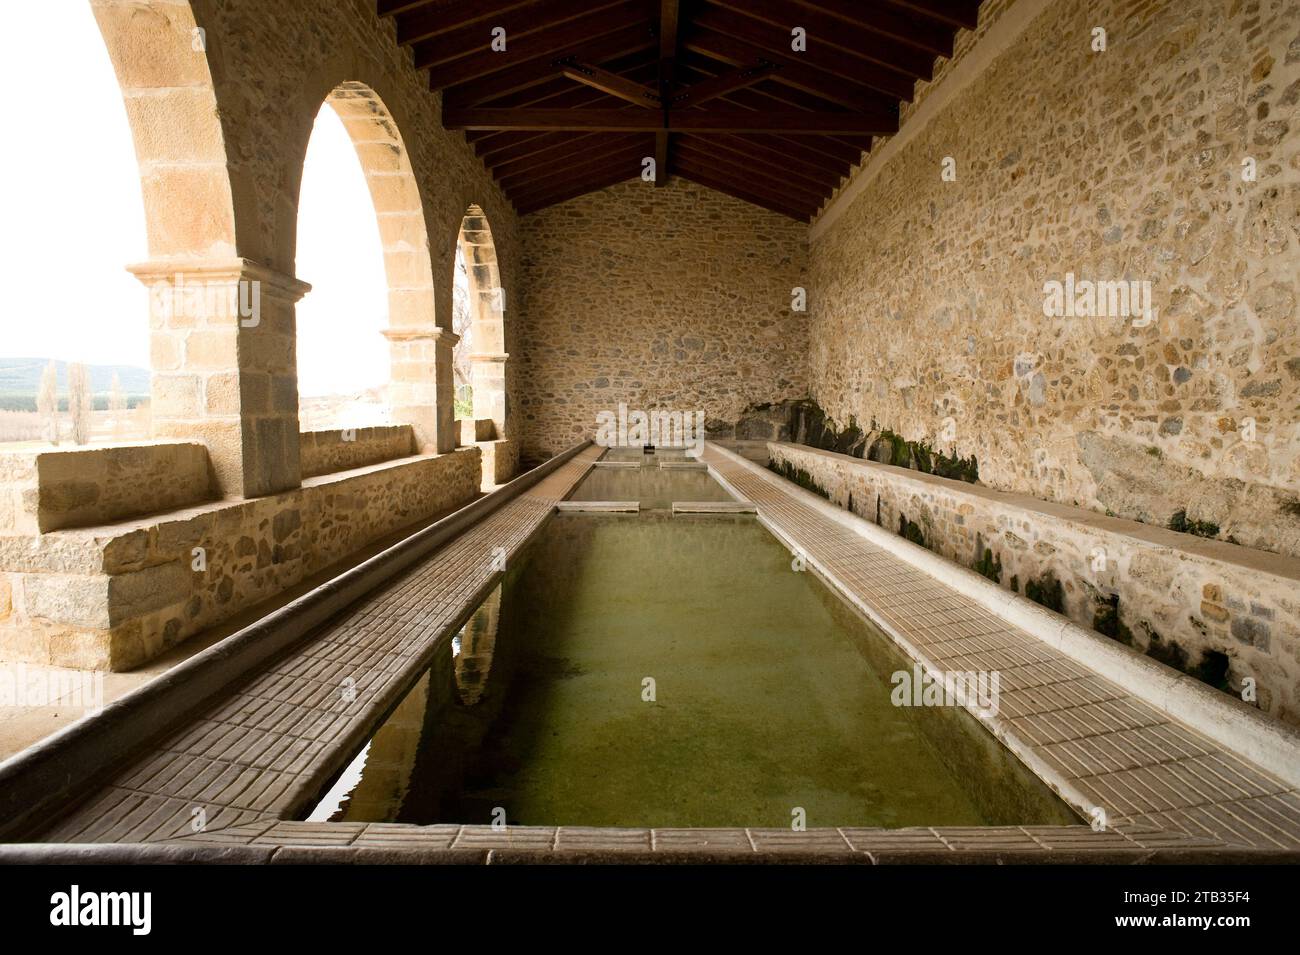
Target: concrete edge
(1270, 744)
(40, 780)
(126, 853)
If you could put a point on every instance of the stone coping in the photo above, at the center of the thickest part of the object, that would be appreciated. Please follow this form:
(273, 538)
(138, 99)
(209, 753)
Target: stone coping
(1281, 566)
(267, 843)
(37, 782)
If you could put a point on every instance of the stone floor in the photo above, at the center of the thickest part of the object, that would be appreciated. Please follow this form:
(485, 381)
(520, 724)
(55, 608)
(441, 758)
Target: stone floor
(258, 754)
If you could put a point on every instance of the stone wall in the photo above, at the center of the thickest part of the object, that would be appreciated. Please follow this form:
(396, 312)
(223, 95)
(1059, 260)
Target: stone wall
(675, 299)
(1222, 612)
(115, 597)
(927, 295)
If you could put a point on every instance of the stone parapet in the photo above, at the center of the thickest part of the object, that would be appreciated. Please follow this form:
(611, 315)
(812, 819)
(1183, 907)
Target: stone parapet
(45, 489)
(324, 452)
(116, 596)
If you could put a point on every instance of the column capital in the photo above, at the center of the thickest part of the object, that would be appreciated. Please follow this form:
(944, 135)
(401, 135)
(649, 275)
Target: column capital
(275, 284)
(422, 333)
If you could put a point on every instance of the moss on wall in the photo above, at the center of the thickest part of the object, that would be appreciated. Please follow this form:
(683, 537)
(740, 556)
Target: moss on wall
(1046, 590)
(1180, 523)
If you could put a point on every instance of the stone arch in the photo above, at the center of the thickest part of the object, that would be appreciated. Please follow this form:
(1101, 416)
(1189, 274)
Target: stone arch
(411, 330)
(487, 321)
(160, 56)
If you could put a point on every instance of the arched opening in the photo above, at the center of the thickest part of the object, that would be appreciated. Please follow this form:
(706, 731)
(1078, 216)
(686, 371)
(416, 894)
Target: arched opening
(343, 362)
(410, 396)
(484, 351)
(74, 363)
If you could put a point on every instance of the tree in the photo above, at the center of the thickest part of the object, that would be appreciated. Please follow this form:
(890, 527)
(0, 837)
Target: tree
(79, 402)
(117, 405)
(47, 401)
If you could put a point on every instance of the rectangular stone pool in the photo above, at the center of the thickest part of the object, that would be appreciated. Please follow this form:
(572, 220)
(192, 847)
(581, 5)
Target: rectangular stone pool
(656, 671)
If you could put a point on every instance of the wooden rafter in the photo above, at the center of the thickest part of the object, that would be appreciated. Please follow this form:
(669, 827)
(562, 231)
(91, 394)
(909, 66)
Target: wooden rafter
(585, 90)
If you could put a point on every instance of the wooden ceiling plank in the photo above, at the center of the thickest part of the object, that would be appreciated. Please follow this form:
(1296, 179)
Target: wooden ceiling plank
(849, 38)
(747, 173)
(578, 150)
(774, 43)
(710, 181)
(779, 159)
(391, 8)
(630, 40)
(527, 202)
(829, 145)
(800, 122)
(627, 158)
(448, 16)
(956, 14)
(793, 73)
(933, 39)
(554, 42)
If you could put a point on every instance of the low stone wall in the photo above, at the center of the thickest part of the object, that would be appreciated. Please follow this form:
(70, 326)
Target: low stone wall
(325, 452)
(116, 596)
(1225, 613)
(50, 488)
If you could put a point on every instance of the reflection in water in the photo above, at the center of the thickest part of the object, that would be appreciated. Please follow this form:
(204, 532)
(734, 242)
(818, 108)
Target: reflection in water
(654, 487)
(770, 695)
(472, 649)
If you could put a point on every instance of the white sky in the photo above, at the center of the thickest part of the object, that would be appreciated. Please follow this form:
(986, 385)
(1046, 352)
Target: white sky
(71, 219)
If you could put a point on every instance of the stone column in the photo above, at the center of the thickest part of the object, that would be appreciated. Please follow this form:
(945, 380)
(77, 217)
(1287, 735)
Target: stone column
(488, 371)
(420, 387)
(223, 352)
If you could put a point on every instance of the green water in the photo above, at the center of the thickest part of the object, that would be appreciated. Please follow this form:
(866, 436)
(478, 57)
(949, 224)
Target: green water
(655, 487)
(769, 695)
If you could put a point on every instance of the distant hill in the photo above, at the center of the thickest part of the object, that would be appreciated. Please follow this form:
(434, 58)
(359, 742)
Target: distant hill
(20, 380)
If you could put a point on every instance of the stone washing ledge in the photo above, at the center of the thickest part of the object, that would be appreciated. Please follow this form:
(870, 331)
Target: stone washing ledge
(1172, 595)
